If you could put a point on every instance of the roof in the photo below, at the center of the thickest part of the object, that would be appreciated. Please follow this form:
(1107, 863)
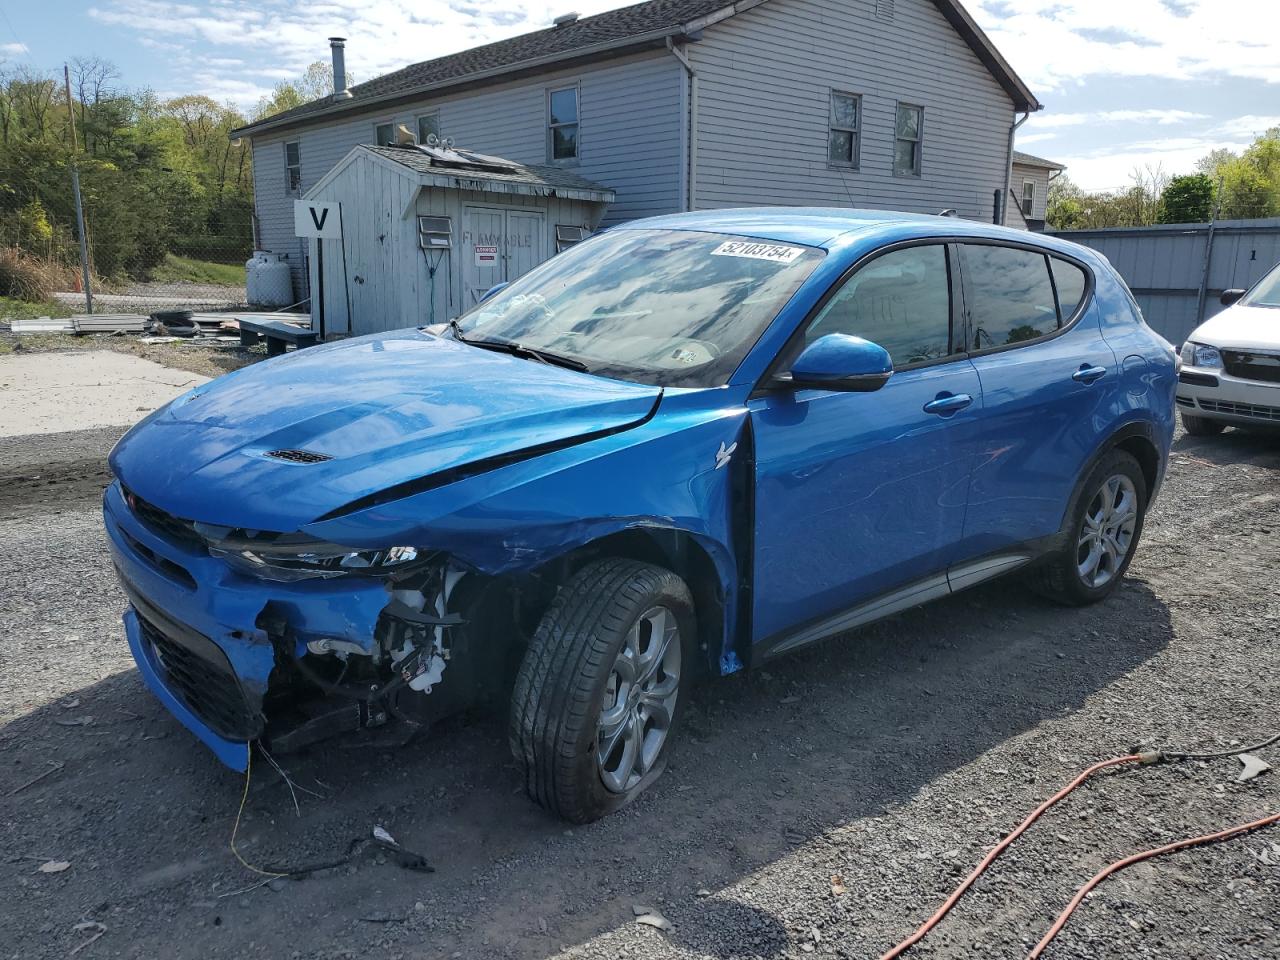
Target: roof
(1031, 160)
(818, 226)
(642, 24)
(464, 170)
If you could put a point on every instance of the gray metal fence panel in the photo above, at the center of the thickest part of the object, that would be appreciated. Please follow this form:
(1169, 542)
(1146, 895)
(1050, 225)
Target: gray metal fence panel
(1164, 265)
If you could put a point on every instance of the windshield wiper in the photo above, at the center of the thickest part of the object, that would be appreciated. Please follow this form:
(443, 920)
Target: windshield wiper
(528, 353)
(456, 327)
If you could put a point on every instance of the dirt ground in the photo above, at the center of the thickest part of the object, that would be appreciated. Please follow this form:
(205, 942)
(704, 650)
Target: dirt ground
(892, 758)
(208, 358)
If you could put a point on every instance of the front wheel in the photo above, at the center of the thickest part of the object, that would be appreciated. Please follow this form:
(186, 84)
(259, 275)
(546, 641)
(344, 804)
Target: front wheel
(1202, 426)
(1105, 529)
(598, 693)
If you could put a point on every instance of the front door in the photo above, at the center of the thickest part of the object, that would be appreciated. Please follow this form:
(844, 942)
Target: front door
(860, 493)
(499, 245)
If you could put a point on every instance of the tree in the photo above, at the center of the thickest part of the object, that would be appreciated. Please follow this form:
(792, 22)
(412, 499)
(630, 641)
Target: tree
(315, 83)
(1064, 209)
(1187, 199)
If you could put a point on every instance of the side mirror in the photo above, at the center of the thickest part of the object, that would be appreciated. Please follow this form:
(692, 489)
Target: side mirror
(496, 288)
(1231, 296)
(840, 362)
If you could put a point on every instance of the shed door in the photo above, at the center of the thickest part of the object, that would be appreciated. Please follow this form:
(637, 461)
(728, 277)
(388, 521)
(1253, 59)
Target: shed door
(498, 246)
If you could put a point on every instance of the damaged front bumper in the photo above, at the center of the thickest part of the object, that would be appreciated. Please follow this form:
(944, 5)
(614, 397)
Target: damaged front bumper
(218, 646)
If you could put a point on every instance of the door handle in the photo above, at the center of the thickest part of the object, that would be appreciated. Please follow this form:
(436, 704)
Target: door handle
(947, 404)
(1088, 374)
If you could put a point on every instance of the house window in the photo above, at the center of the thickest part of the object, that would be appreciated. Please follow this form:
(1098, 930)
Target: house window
(428, 126)
(843, 142)
(293, 167)
(569, 236)
(1028, 197)
(907, 138)
(562, 123)
(384, 134)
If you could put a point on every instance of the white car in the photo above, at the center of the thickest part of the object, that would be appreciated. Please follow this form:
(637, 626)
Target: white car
(1231, 363)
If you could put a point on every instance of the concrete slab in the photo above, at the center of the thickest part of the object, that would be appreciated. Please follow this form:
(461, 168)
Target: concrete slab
(57, 392)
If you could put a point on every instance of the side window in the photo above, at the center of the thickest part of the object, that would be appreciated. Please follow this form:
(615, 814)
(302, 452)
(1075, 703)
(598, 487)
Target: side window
(384, 134)
(900, 300)
(1029, 198)
(428, 126)
(1008, 295)
(1072, 282)
(908, 140)
(843, 131)
(293, 167)
(562, 124)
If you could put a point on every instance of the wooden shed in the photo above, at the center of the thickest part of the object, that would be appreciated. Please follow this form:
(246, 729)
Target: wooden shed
(424, 231)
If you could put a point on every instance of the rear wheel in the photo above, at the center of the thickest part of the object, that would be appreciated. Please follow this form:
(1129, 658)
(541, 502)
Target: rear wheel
(598, 693)
(1202, 426)
(1105, 529)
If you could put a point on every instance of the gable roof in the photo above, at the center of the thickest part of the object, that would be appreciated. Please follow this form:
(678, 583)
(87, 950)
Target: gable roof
(1031, 160)
(649, 24)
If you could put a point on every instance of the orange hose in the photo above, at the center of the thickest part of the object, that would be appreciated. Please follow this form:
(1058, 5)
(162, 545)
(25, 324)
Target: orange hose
(998, 849)
(1138, 858)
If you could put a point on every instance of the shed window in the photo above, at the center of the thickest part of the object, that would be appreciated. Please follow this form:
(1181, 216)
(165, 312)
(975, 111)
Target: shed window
(428, 126)
(843, 141)
(562, 123)
(384, 134)
(435, 233)
(1028, 197)
(907, 140)
(293, 167)
(568, 236)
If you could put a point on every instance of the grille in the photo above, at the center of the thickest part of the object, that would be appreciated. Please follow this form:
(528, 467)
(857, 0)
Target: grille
(1253, 410)
(299, 456)
(1197, 379)
(162, 523)
(199, 674)
(1264, 367)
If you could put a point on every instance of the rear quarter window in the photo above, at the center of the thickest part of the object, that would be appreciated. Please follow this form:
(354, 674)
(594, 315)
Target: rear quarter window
(1072, 283)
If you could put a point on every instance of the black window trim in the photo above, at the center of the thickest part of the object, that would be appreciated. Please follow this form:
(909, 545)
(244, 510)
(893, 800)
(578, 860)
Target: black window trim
(766, 385)
(856, 131)
(1082, 307)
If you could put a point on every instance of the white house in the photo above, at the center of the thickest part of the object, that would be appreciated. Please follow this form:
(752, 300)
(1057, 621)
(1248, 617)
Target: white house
(693, 104)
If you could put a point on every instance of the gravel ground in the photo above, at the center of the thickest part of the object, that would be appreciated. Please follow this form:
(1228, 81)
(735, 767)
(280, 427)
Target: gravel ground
(210, 358)
(892, 759)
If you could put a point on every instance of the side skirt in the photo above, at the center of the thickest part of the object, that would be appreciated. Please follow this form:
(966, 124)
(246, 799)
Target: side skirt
(895, 601)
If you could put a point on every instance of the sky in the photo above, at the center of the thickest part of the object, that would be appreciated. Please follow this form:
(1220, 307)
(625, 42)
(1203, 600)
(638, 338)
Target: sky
(1126, 83)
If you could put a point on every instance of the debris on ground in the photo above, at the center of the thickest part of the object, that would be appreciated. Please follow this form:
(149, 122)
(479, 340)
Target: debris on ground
(1252, 767)
(54, 866)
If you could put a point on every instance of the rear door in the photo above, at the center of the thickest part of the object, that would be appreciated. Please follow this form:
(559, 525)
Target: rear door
(1046, 374)
(859, 493)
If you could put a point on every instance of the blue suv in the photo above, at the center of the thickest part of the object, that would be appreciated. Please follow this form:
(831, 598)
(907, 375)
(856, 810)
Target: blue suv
(685, 446)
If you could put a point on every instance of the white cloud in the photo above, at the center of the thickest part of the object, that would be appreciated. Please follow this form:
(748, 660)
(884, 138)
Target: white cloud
(1058, 43)
(1249, 127)
(1109, 168)
(1026, 138)
(1161, 117)
(16, 49)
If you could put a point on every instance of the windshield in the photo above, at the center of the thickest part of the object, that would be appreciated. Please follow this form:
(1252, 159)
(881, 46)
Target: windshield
(1267, 291)
(663, 307)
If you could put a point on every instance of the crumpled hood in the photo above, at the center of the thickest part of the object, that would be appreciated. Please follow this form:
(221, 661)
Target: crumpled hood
(1240, 327)
(387, 409)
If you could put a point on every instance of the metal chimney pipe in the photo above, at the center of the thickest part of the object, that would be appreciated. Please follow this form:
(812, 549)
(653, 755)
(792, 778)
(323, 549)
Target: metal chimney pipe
(337, 47)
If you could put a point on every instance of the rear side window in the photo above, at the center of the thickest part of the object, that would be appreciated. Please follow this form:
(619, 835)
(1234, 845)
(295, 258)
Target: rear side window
(900, 300)
(1072, 283)
(1008, 295)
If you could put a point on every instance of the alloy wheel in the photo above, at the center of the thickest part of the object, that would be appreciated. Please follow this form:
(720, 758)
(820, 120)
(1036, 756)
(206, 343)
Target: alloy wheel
(639, 700)
(1106, 535)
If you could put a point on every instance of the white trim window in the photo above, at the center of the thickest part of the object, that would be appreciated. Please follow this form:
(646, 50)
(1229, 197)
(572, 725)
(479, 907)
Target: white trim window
(293, 168)
(908, 140)
(844, 140)
(562, 124)
(1028, 198)
(428, 125)
(384, 134)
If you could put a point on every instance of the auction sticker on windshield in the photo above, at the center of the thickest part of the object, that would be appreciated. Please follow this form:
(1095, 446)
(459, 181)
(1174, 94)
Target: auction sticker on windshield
(757, 251)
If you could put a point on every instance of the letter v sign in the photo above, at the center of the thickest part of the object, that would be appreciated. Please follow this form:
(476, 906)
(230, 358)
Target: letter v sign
(317, 219)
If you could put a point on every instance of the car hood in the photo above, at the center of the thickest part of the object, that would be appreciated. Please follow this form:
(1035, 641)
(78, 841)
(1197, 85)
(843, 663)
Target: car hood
(1241, 327)
(383, 410)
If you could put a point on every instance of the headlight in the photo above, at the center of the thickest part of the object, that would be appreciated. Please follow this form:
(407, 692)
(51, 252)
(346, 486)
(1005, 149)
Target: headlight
(1200, 355)
(318, 561)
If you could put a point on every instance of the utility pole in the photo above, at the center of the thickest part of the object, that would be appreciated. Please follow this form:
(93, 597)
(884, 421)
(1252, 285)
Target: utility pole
(75, 190)
(1208, 253)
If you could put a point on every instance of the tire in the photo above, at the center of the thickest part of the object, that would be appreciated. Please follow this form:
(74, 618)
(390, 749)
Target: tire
(1202, 426)
(574, 667)
(1064, 576)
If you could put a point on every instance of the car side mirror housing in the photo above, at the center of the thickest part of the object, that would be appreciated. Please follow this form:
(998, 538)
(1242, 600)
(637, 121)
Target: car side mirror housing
(495, 289)
(838, 361)
(1231, 296)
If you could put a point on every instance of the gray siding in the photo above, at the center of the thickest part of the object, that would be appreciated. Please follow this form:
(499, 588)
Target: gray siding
(630, 139)
(1040, 176)
(766, 77)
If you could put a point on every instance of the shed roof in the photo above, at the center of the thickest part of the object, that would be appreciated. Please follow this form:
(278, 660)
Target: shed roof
(1031, 160)
(463, 170)
(649, 23)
